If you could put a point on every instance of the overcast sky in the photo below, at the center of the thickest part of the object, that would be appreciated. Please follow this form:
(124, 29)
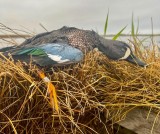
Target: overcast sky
(86, 14)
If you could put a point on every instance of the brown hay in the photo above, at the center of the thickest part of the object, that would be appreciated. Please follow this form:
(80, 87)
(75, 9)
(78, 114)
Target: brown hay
(90, 94)
(93, 94)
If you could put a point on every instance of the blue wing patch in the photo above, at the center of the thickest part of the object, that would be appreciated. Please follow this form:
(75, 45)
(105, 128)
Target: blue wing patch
(62, 52)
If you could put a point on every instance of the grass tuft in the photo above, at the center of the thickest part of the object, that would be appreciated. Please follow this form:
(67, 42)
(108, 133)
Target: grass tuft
(119, 33)
(92, 95)
(106, 23)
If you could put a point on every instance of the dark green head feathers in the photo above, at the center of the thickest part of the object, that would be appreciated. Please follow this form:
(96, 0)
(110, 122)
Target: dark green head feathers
(68, 45)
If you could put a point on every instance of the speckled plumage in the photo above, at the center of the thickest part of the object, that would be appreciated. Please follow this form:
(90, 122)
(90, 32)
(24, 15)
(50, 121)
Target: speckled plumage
(84, 40)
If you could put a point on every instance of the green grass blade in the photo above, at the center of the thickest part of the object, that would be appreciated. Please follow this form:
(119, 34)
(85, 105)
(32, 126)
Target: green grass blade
(106, 24)
(133, 31)
(137, 27)
(132, 28)
(118, 34)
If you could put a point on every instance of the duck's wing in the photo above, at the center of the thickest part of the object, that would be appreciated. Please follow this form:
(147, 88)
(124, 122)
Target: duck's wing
(51, 54)
(55, 36)
(34, 38)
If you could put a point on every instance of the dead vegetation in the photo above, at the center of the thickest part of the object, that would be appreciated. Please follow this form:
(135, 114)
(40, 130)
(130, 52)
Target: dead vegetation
(92, 95)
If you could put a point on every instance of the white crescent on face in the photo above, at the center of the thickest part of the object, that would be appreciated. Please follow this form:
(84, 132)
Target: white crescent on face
(126, 55)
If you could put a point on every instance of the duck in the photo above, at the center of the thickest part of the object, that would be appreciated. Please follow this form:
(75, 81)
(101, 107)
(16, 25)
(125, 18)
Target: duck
(68, 45)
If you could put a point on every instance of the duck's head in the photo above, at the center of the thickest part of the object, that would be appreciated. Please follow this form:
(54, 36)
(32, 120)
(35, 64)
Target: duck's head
(133, 59)
(118, 50)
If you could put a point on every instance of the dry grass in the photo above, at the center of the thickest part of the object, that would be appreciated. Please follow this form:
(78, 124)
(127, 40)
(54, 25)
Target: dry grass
(92, 94)
(85, 92)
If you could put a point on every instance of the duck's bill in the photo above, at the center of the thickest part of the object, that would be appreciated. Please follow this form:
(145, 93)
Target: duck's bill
(133, 59)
